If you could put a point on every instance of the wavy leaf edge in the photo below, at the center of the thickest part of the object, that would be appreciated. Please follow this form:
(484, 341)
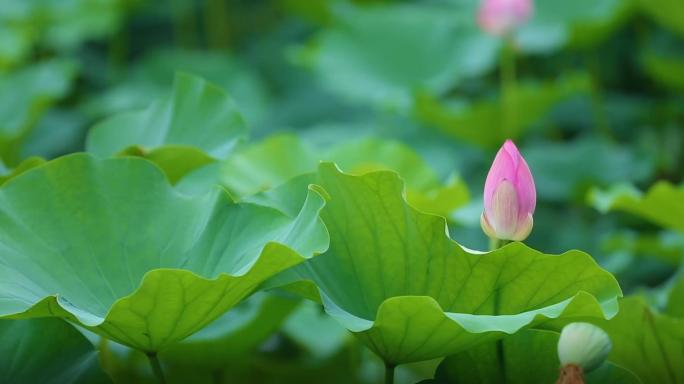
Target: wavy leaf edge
(607, 308)
(272, 253)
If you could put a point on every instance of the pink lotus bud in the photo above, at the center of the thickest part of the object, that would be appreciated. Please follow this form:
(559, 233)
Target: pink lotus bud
(501, 17)
(509, 196)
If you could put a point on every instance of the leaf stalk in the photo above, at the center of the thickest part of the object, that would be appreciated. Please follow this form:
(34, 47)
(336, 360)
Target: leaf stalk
(156, 367)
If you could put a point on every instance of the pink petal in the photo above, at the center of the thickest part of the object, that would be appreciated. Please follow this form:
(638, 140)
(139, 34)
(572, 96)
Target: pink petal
(503, 213)
(503, 168)
(524, 186)
(500, 17)
(509, 195)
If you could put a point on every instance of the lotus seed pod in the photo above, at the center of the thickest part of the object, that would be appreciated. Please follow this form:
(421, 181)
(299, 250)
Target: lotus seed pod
(584, 345)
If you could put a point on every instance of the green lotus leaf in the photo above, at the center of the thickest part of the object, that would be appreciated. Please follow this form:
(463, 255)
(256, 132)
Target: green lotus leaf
(584, 162)
(110, 245)
(48, 351)
(580, 23)
(480, 123)
(666, 247)
(25, 96)
(196, 114)
(24, 166)
(264, 165)
(175, 160)
(378, 53)
(423, 188)
(57, 26)
(649, 344)
(663, 204)
(409, 292)
(244, 344)
(233, 335)
(316, 332)
(530, 356)
(148, 79)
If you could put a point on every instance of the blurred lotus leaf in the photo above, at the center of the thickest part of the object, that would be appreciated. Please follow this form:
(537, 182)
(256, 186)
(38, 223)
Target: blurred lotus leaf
(25, 96)
(381, 54)
(264, 165)
(481, 123)
(48, 351)
(197, 123)
(663, 204)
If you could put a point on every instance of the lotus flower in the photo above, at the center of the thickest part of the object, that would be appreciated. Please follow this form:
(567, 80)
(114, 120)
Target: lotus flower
(509, 196)
(501, 17)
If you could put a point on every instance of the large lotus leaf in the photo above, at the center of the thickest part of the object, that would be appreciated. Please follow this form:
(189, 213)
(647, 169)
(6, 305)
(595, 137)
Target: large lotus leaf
(24, 166)
(409, 292)
(649, 344)
(424, 191)
(47, 351)
(267, 164)
(59, 131)
(382, 53)
(233, 335)
(584, 162)
(663, 204)
(529, 356)
(666, 247)
(101, 242)
(196, 114)
(175, 160)
(480, 123)
(25, 95)
(316, 332)
(148, 79)
(277, 159)
(582, 23)
(57, 25)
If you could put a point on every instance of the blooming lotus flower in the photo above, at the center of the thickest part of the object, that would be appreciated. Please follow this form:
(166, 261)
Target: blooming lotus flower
(501, 17)
(509, 196)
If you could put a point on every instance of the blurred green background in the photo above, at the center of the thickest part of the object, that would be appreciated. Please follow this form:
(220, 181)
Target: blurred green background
(599, 104)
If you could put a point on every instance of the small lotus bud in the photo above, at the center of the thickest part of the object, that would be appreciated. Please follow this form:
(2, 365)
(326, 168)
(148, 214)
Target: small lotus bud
(583, 345)
(501, 17)
(509, 196)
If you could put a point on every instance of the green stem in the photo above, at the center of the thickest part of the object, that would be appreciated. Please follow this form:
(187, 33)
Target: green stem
(389, 373)
(508, 90)
(495, 244)
(500, 357)
(105, 355)
(156, 367)
(216, 24)
(184, 23)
